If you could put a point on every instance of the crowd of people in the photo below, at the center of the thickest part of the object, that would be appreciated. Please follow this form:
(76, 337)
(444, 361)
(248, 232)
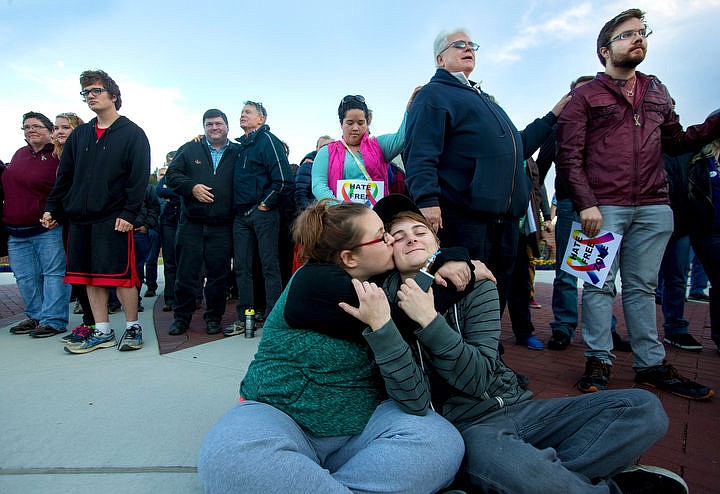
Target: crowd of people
(394, 381)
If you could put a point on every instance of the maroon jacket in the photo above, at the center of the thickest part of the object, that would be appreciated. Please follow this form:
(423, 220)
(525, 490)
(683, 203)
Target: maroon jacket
(27, 181)
(611, 153)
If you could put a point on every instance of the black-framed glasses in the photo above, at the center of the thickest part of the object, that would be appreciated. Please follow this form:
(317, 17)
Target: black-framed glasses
(461, 45)
(34, 127)
(97, 91)
(353, 97)
(385, 237)
(643, 33)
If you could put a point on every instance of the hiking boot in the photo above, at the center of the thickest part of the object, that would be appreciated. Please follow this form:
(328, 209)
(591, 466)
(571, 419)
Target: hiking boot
(178, 327)
(619, 344)
(238, 327)
(24, 327)
(93, 341)
(596, 377)
(667, 378)
(559, 340)
(684, 341)
(646, 479)
(131, 339)
(77, 308)
(78, 334)
(44, 331)
(212, 327)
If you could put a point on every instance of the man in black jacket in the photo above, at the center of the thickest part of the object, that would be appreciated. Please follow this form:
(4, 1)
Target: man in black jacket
(202, 174)
(464, 160)
(262, 177)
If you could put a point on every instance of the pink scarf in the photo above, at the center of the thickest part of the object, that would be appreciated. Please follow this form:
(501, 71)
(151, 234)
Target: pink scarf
(372, 157)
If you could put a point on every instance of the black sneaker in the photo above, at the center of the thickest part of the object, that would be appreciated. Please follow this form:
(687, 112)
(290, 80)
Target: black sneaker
(140, 307)
(25, 327)
(114, 308)
(44, 331)
(596, 377)
(684, 341)
(698, 297)
(646, 479)
(149, 293)
(213, 327)
(559, 340)
(167, 308)
(178, 327)
(619, 344)
(667, 378)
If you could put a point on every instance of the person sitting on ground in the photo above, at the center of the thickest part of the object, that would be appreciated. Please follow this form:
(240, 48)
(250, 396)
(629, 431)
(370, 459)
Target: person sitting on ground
(576, 444)
(316, 408)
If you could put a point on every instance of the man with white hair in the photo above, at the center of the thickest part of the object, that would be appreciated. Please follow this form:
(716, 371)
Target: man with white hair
(464, 159)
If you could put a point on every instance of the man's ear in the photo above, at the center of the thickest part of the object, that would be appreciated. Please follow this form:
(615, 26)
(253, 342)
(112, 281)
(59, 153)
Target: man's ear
(440, 62)
(605, 52)
(347, 257)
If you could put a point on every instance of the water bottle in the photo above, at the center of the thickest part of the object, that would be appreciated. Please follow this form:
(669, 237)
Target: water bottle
(249, 323)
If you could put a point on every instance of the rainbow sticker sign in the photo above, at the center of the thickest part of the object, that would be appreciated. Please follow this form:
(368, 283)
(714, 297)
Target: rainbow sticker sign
(590, 258)
(363, 191)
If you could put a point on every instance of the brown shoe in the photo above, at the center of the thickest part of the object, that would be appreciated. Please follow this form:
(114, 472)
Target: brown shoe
(44, 331)
(25, 327)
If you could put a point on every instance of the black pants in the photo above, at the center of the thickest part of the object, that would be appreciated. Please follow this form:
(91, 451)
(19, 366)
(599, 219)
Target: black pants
(168, 231)
(518, 297)
(493, 241)
(198, 243)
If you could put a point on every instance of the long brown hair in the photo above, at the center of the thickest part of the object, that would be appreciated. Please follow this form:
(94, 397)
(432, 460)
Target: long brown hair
(326, 228)
(74, 121)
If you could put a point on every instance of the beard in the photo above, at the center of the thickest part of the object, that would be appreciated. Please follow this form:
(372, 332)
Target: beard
(627, 60)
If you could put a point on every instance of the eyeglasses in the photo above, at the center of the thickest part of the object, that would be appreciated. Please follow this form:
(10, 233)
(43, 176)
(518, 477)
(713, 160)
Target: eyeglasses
(461, 45)
(97, 91)
(66, 115)
(350, 97)
(385, 237)
(643, 33)
(35, 127)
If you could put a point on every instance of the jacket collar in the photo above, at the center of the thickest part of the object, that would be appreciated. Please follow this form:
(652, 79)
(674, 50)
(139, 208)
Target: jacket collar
(250, 138)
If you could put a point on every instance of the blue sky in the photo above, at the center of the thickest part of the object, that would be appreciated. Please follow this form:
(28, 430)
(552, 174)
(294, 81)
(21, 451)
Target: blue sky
(173, 60)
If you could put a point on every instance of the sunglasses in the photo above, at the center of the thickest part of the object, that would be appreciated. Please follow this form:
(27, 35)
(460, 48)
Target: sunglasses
(350, 97)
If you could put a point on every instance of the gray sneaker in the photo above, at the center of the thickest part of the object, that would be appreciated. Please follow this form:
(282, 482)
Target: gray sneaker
(93, 341)
(238, 327)
(639, 479)
(131, 339)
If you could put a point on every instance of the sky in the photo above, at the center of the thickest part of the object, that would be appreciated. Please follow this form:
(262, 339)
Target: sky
(175, 59)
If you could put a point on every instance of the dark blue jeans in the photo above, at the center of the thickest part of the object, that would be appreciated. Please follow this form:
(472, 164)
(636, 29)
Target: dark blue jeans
(259, 231)
(707, 248)
(168, 231)
(152, 259)
(673, 276)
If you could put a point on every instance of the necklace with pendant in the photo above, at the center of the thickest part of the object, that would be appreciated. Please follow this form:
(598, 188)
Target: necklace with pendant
(630, 92)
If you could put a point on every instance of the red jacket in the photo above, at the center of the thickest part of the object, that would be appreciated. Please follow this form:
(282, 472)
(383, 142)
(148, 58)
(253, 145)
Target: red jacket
(611, 153)
(27, 181)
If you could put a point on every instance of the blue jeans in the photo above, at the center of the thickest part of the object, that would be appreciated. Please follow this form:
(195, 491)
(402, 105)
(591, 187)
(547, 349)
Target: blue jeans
(256, 448)
(645, 230)
(565, 293)
(38, 263)
(673, 278)
(698, 277)
(257, 232)
(562, 444)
